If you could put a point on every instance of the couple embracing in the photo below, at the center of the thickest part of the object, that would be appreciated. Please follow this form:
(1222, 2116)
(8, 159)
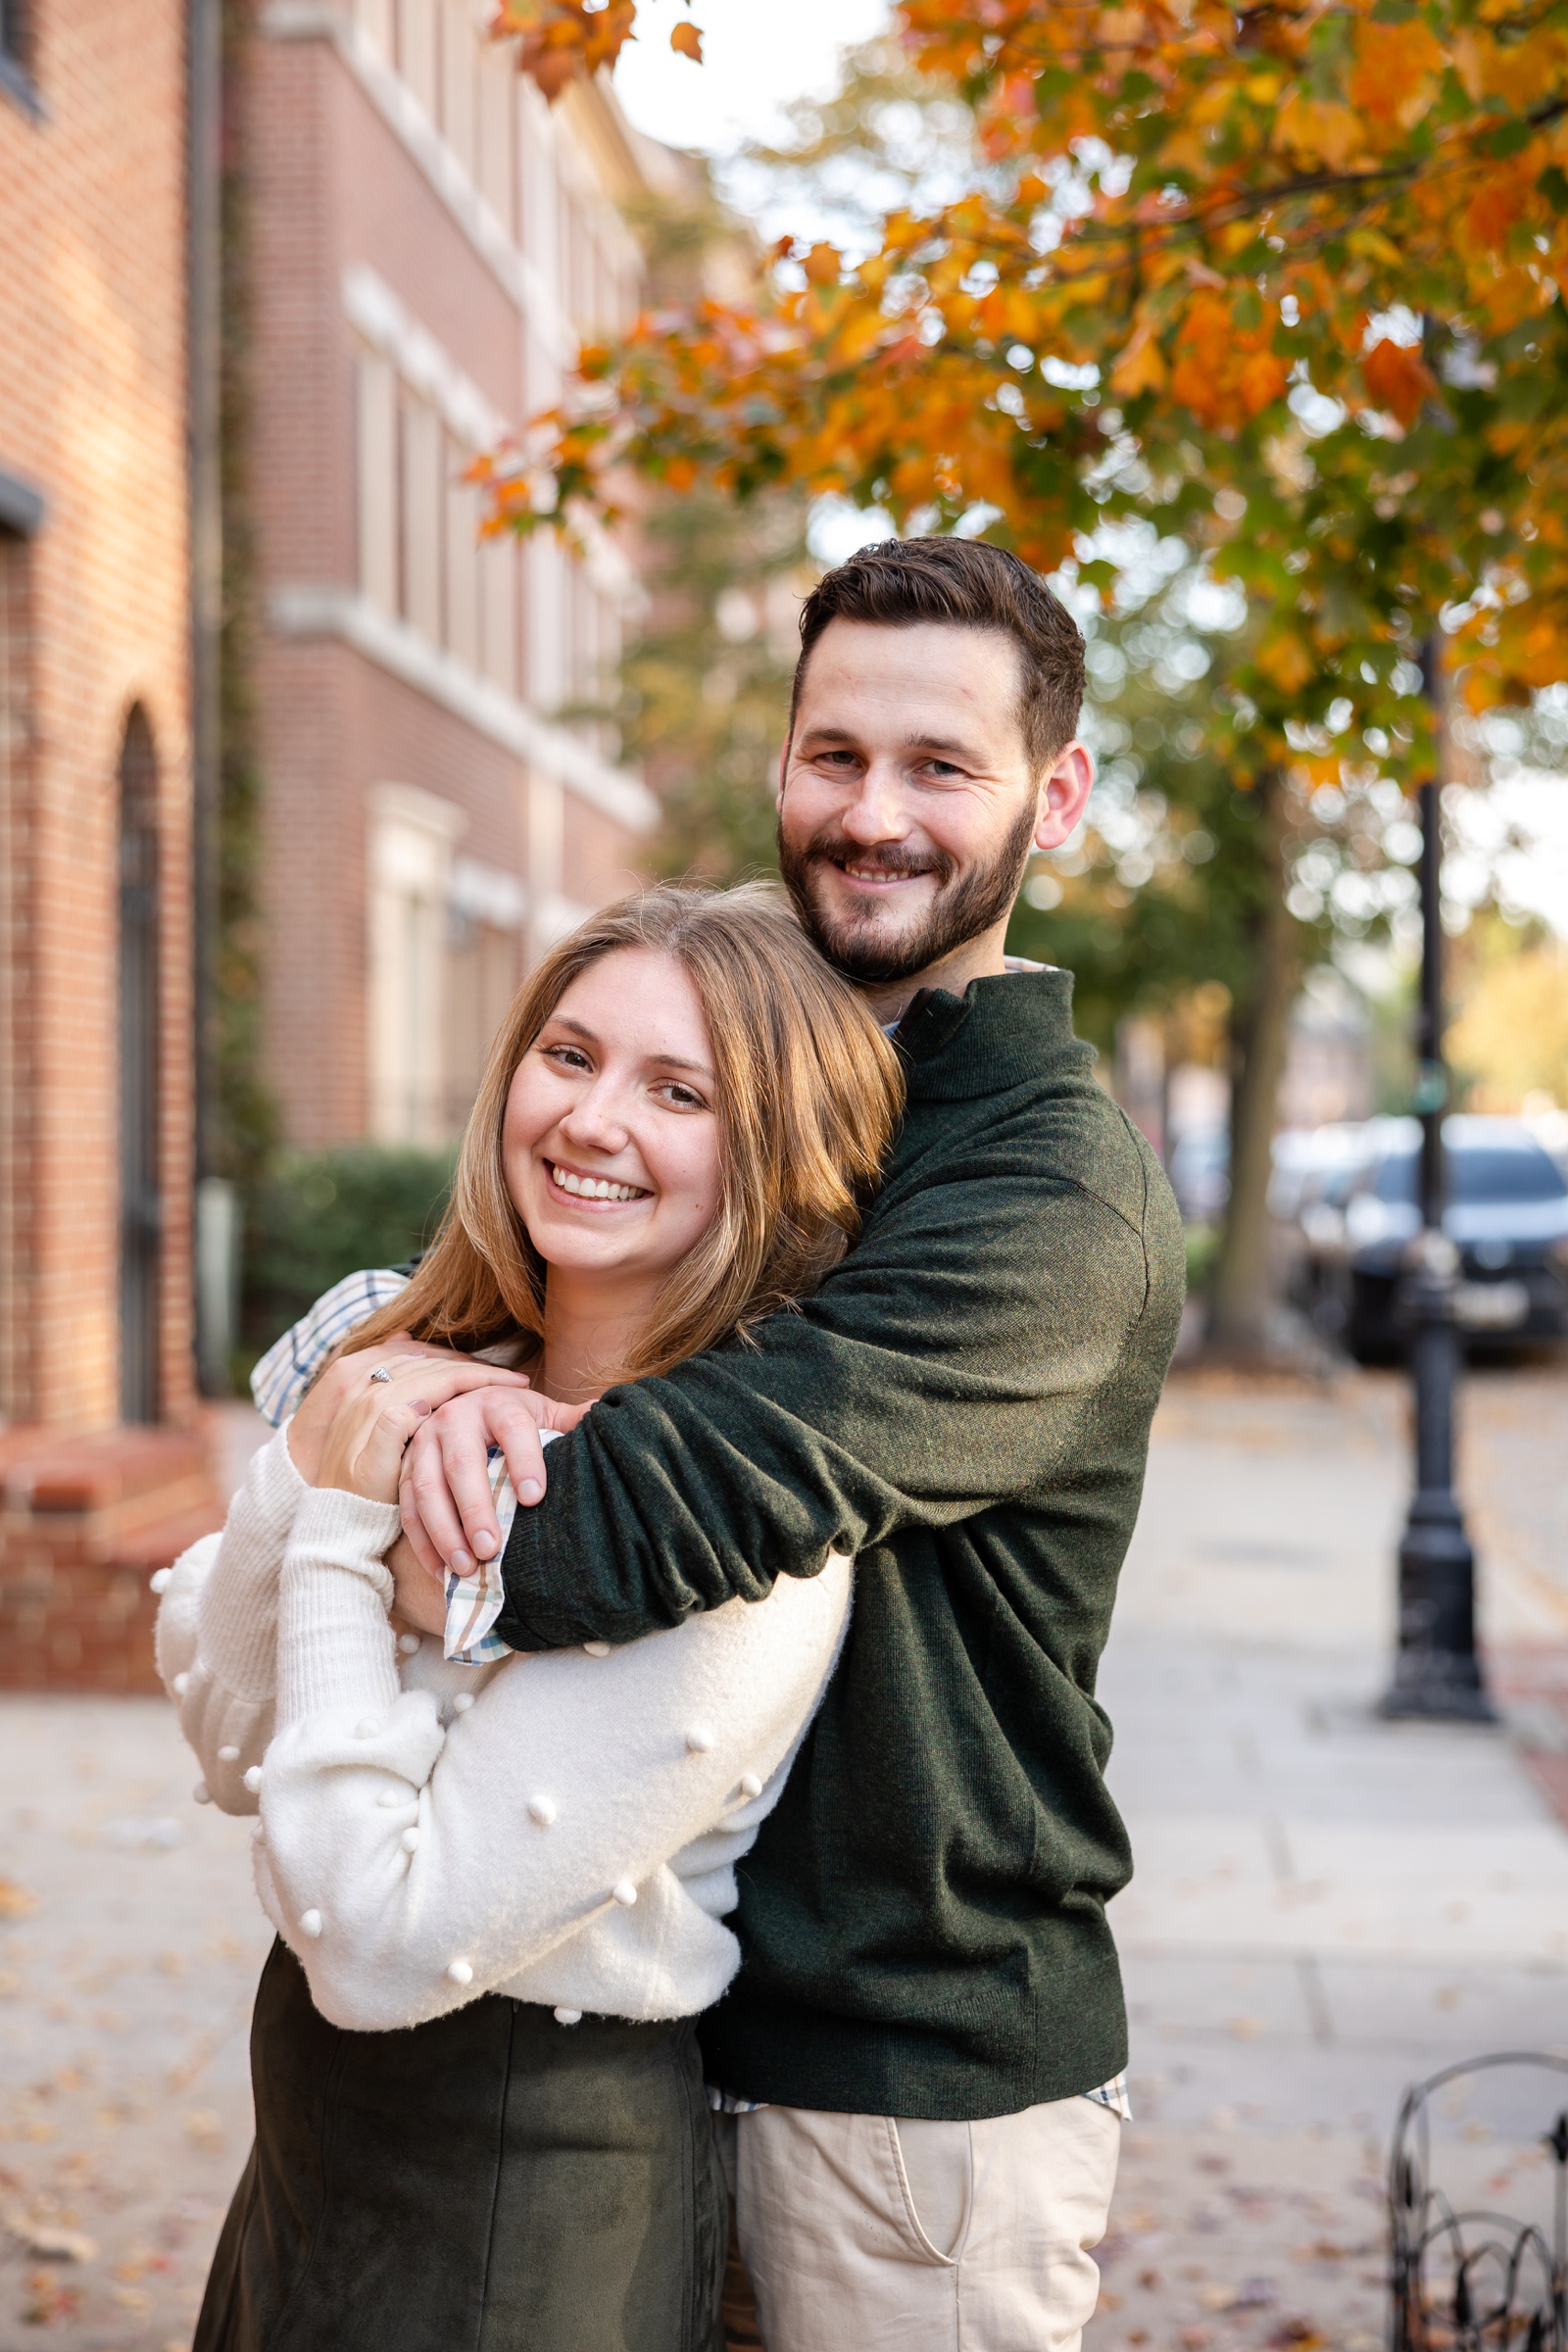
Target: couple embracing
(660, 1642)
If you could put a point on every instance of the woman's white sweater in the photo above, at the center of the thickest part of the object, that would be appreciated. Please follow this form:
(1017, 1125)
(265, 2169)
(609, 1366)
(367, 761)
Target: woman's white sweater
(562, 1828)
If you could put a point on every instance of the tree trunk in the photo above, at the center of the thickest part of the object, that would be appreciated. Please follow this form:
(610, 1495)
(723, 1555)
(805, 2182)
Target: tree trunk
(1242, 1294)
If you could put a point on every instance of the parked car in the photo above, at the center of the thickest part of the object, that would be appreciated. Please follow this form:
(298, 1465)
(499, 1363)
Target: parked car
(1317, 1163)
(1200, 1169)
(1507, 1212)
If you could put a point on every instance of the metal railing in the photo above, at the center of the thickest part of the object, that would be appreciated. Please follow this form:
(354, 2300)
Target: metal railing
(1466, 2279)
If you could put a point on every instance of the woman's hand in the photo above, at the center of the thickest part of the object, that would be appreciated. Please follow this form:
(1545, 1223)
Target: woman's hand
(307, 1431)
(417, 1603)
(362, 1451)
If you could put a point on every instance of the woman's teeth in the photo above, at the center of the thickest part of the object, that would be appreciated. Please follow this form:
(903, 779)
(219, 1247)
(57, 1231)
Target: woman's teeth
(594, 1188)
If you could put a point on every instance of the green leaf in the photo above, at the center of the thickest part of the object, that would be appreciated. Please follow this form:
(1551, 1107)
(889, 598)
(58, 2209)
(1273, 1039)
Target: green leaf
(1508, 138)
(1553, 185)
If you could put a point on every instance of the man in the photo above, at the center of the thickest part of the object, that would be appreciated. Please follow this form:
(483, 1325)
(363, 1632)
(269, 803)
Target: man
(922, 2045)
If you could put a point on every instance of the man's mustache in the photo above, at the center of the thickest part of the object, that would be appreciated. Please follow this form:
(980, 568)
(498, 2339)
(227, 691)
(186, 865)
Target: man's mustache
(892, 859)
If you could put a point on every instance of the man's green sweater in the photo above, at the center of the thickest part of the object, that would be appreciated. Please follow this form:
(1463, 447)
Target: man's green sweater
(965, 1407)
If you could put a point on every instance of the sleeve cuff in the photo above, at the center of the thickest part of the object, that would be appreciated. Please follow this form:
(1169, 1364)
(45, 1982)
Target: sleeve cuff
(528, 1618)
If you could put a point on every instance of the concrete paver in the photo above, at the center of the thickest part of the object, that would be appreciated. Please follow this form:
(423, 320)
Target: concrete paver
(1326, 1907)
(127, 1969)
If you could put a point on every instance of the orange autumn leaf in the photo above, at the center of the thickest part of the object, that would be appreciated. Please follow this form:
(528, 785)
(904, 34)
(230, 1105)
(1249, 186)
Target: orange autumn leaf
(1398, 379)
(1262, 379)
(1396, 72)
(559, 40)
(1500, 200)
(1141, 366)
(1317, 131)
(687, 41)
(1287, 659)
(821, 266)
(1224, 374)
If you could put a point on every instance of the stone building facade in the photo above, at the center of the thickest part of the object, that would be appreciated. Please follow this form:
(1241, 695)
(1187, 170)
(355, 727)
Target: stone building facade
(100, 1463)
(428, 242)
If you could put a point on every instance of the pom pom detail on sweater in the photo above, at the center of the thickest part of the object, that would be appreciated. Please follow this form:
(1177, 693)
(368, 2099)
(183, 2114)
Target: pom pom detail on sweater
(280, 1629)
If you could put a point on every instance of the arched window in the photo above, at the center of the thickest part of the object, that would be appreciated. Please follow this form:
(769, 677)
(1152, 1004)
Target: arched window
(140, 1199)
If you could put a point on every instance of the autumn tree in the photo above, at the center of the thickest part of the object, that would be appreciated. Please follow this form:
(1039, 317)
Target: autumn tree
(1286, 279)
(701, 695)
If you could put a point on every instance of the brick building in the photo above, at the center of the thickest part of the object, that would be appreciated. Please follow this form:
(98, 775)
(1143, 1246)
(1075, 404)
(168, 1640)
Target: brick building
(95, 828)
(428, 241)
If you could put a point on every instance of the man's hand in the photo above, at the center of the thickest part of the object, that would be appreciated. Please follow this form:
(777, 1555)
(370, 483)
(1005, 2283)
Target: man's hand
(307, 1431)
(448, 1514)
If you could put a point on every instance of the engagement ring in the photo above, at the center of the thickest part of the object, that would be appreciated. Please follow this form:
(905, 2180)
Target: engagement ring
(380, 1373)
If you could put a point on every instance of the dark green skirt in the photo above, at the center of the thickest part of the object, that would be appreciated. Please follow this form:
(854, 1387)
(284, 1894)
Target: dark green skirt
(492, 2182)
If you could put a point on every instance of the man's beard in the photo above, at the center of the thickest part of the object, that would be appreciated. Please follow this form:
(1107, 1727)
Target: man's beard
(962, 908)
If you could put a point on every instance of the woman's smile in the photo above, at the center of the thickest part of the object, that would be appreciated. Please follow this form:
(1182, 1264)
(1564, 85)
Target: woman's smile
(588, 1191)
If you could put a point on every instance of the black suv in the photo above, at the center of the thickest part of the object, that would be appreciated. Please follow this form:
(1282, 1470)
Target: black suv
(1507, 1211)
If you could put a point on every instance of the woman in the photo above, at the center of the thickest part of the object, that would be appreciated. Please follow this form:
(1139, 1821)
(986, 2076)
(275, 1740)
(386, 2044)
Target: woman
(500, 1889)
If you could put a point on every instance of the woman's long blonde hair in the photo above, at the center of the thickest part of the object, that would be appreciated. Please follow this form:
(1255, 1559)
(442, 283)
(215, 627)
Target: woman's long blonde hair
(807, 1097)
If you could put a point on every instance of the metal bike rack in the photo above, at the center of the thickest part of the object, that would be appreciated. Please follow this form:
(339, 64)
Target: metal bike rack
(1471, 2279)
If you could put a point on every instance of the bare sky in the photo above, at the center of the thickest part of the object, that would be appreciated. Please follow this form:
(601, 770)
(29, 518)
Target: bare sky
(757, 57)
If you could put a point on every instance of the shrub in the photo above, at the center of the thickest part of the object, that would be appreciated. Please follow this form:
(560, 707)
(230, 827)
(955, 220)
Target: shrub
(317, 1217)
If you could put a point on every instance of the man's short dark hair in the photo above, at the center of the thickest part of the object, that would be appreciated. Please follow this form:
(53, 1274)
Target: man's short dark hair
(970, 585)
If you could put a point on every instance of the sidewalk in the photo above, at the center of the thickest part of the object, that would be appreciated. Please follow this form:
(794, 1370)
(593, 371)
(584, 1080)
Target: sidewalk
(1326, 1907)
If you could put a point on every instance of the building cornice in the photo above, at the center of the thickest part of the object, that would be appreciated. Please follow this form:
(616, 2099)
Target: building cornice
(387, 324)
(405, 654)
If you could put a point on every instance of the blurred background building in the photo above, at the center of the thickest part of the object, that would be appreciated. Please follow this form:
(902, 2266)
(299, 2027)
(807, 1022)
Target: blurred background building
(96, 1149)
(344, 811)
(428, 242)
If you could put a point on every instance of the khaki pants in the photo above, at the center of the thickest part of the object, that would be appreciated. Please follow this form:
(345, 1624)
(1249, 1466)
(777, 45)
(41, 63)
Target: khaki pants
(865, 2234)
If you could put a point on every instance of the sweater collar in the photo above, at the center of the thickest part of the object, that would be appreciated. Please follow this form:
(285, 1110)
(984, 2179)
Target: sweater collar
(1001, 1031)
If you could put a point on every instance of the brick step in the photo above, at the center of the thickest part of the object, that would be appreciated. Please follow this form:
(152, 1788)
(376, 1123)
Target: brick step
(83, 1523)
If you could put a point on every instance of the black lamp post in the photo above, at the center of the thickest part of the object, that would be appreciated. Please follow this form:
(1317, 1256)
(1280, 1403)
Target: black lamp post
(1435, 1670)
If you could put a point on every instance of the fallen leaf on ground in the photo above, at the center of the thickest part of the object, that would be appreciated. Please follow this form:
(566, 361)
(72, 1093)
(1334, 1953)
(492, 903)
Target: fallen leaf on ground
(48, 2237)
(15, 1902)
(49, 2301)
